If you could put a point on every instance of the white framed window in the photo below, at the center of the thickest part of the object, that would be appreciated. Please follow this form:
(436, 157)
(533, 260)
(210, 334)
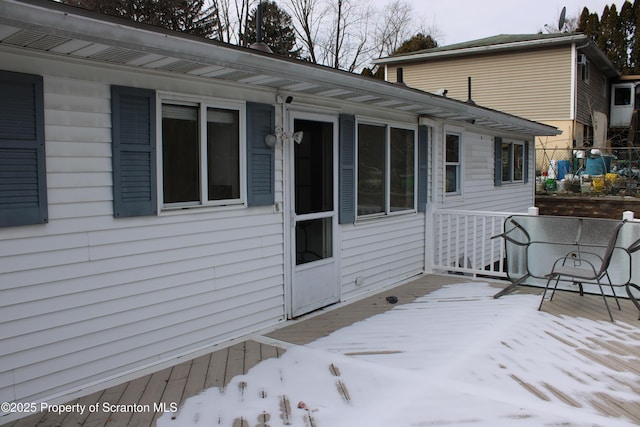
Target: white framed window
(453, 164)
(512, 162)
(585, 71)
(202, 152)
(622, 96)
(387, 157)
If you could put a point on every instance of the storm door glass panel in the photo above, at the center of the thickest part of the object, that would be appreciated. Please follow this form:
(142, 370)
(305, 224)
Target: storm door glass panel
(518, 162)
(622, 96)
(506, 162)
(314, 167)
(371, 169)
(402, 159)
(314, 240)
(180, 154)
(223, 154)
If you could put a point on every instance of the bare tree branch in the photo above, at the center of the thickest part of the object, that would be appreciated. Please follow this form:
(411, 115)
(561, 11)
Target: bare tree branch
(307, 21)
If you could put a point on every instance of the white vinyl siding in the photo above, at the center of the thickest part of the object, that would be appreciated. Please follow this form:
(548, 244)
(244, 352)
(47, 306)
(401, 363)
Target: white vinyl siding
(381, 252)
(89, 296)
(479, 192)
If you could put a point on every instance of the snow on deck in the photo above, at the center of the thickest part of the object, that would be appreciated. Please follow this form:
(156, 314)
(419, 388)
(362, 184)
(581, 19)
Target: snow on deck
(454, 356)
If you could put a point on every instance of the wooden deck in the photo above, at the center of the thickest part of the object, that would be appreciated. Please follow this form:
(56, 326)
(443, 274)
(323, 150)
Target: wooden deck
(172, 386)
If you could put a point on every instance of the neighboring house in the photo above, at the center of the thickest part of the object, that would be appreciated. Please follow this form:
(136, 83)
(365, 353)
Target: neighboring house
(557, 79)
(161, 194)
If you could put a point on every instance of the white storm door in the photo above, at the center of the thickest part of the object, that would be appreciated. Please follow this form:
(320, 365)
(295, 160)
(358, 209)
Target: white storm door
(314, 219)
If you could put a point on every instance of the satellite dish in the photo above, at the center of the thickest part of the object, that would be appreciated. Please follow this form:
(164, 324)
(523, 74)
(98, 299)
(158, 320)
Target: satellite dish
(562, 21)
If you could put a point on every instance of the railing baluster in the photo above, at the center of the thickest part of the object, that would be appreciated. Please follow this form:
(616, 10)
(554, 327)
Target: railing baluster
(465, 235)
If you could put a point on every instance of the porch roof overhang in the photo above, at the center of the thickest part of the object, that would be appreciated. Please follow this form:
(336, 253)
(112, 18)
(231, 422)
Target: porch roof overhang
(69, 32)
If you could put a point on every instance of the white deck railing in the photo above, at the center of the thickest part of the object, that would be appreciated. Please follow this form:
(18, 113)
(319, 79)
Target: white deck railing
(462, 242)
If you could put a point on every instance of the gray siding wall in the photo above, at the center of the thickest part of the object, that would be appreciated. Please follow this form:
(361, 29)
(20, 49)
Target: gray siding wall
(591, 95)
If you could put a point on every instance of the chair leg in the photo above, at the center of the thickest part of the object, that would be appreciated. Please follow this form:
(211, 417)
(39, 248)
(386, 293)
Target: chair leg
(632, 297)
(555, 287)
(604, 297)
(613, 290)
(546, 288)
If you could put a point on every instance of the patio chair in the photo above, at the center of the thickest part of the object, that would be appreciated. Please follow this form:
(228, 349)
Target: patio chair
(582, 267)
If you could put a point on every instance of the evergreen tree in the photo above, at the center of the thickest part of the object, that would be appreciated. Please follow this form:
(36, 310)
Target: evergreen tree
(611, 39)
(277, 30)
(418, 42)
(634, 42)
(627, 28)
(189, 16)
(589, 24)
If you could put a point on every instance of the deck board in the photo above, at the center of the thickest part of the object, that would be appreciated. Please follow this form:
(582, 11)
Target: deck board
(197, 377)
(235, 362)
(217, 369)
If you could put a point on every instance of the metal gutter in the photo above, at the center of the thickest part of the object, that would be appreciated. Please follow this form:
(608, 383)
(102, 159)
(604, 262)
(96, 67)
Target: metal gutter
(52, 18)
(483, 49)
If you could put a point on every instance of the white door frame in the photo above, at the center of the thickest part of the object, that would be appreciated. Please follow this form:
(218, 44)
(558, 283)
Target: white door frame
(290, 115)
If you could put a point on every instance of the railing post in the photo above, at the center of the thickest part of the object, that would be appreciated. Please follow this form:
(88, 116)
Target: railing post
(628, 215)
(534, 211)
(429, 239)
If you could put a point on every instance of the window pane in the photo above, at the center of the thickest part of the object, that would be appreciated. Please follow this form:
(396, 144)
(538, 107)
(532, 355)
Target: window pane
(506, 162)
(518, 162)
(371, 169)
(451, 185)
(223, 150)
(452, 164)
(314, 167)
(314, 240)
(180, 154)
(453, 149)
(402, 172)
(622, 96)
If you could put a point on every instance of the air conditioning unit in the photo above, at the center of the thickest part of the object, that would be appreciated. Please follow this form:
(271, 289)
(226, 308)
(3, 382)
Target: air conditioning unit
(582, 59)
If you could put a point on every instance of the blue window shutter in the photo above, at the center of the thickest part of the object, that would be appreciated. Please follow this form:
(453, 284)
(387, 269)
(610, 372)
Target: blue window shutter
(423, 167)
(347, 159)
(23, 186)
(261, 121)
(497, 167)
(525, 163)
(133, 128)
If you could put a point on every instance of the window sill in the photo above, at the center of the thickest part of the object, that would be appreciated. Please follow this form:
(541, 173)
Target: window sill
(381, 217)
(193, 209)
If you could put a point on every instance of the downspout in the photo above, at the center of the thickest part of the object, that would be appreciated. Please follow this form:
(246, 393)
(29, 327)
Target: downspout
(574, 94)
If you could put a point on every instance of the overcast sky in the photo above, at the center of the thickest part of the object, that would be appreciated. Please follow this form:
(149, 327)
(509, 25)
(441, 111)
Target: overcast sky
(464, 20)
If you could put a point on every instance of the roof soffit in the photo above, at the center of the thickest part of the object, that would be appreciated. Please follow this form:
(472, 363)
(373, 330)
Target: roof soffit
(42, 26)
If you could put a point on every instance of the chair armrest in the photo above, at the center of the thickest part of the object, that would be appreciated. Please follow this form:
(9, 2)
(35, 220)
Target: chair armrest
(560, 268)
